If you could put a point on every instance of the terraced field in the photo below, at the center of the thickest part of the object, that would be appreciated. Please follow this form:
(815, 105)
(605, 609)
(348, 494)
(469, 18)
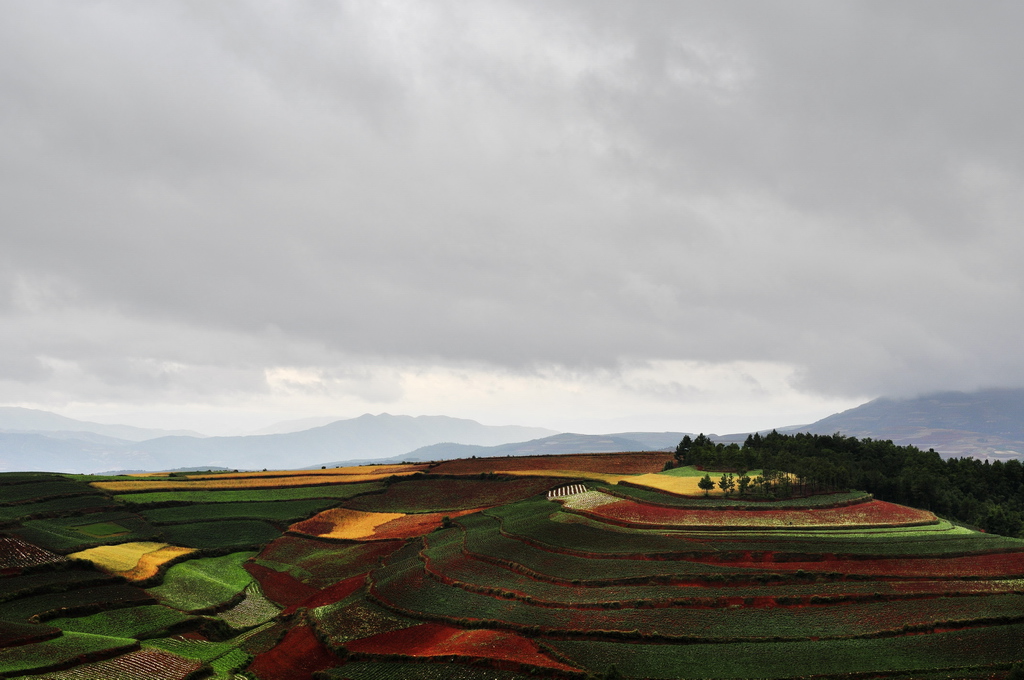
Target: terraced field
(467, 570)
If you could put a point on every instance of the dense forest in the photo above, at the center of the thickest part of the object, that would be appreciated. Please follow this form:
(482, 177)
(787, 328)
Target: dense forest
(986, 495)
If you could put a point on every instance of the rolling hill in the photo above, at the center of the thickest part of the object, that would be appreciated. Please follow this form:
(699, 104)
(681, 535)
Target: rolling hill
(988, 424)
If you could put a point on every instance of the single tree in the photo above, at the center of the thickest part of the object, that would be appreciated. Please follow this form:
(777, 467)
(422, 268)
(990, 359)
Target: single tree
(706, 484)
(744, 483)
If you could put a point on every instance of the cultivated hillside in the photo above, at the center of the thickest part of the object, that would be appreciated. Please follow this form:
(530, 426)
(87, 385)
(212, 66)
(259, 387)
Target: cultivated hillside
(502, 568)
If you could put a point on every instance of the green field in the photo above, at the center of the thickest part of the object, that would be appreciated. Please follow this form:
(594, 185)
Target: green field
(56, 506)
(41, 488)
(80, 600)
(133, 622)
(993, 645)
(205, 583)
(423, 671)
(286, 512)
(42, 656)
(223, 535)
(74, 533)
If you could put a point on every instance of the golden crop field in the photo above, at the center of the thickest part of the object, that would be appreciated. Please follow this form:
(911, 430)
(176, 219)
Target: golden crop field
(385, 470)
(220, 482)
(344, 523)
(686, 486)
(571, 474)
(135, 561)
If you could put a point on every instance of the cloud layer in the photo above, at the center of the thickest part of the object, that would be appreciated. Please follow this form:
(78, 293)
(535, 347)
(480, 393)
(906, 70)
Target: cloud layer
(215, 203)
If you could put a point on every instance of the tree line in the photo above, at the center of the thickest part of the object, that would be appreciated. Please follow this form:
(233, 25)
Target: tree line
(987, 495)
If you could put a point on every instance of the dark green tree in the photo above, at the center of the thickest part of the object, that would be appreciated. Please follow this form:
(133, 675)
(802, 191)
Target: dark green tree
(683, 450)
(706, 484)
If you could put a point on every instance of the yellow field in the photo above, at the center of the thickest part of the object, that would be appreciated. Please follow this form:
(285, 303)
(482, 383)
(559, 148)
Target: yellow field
(221, 482)
(572, 474)
(134, 561)
(344, 523)
(385, 470)
(686, 486)
(682, 485)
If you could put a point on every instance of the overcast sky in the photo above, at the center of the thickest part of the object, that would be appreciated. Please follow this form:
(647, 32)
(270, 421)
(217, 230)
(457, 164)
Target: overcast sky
(591, 216)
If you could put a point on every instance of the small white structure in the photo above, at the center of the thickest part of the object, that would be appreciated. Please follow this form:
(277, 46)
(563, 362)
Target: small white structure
(567, 490)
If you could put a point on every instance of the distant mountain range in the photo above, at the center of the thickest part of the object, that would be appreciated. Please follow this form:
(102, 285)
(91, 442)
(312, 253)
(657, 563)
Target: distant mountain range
(14, 419)
(555, 444)
(368, 436)
(984, 424)
(988, 424)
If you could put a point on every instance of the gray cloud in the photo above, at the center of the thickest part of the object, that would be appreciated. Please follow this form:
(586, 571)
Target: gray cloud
(195, 193)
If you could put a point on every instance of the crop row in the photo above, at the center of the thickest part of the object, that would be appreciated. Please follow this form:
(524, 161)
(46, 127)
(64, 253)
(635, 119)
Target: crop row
(972, 648)
(432, 494)
(871, 514)
(356, 618)
(200, 650)
(53, 580)
(142, 664)
(532, 522)
(141, 623)
(297, 656)
(204, 584)
(529, 521)
(238, 484)
(73, 602)
(446, 562)
(334, 491)
(384, 470)
(50, 486)
(70, 534)
(654, 497)
(17, 633)
(224, 535)
(391, 670)
(433, 640)
(60, 652)
(484, 539)
(274, 511)
(17, 554)
(753, 561)
(612, 463)
(320, 563)
(55, 507)
(252, 611)
(402, 584)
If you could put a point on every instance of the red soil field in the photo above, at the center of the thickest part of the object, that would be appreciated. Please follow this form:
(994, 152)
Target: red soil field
(411, 526)
(999, 565)
(870, 514)
(280, 586)
(322, 563)
(339, 591)
(435, 639)
(611, 463)
(296, 657)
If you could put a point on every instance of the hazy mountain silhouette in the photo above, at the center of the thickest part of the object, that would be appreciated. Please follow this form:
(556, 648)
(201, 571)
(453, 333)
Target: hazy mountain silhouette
(559, 443)
(368, 436)
(984, 424)
(29, 420)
